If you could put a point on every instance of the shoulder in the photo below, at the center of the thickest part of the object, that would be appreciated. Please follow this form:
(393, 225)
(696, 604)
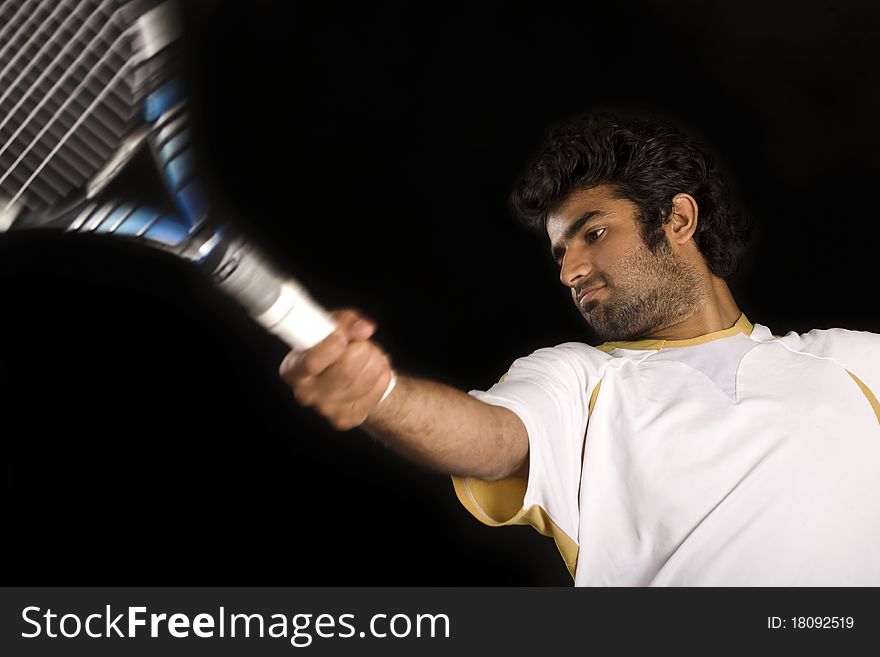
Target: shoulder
(573, 361)
(568, 354)
(828, 342)
(858, 352)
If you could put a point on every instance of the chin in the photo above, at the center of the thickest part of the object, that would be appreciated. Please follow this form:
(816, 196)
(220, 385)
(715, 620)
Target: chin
(609, 331)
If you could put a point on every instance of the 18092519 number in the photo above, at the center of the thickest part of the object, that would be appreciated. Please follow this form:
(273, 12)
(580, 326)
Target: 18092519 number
(822, 622)
(811, 622)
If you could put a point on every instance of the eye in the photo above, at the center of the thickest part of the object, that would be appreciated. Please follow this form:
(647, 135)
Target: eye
(595, 234)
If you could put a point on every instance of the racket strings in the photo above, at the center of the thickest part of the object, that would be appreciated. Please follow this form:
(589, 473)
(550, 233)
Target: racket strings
(99, 67)
(70, 42)
(90, 50)
(64, 72)
(24, 9)
(51, 97)
(22, 50)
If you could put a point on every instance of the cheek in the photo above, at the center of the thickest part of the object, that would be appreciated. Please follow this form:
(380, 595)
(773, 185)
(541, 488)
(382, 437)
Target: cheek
(624, 263)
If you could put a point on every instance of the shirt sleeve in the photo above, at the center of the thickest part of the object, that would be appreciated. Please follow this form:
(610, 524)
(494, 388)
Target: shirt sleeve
(550, 392)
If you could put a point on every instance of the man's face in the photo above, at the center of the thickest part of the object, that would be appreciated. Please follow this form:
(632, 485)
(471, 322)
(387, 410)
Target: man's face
(622, 289)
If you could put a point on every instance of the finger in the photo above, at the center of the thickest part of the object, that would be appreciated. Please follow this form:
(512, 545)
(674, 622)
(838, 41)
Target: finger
(347, 370)
(332, 389)
(320, 357)
(346, 316)
(305, 392)
(372, 370)
(354, 325)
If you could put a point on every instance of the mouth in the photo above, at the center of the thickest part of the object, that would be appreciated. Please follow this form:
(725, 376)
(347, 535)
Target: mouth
(586, 295)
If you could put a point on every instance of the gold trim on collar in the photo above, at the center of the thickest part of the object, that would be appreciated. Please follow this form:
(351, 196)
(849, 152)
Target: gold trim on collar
(743, 325)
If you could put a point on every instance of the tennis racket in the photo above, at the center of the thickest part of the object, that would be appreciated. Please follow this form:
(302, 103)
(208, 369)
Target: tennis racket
(86, 86)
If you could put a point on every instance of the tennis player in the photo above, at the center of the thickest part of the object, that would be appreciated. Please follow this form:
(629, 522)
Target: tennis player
(693, 447)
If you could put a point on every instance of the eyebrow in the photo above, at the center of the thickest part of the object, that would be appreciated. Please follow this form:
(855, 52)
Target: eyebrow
(573, 229)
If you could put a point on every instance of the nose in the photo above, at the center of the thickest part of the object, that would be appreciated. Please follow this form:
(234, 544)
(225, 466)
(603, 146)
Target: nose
(575, 266)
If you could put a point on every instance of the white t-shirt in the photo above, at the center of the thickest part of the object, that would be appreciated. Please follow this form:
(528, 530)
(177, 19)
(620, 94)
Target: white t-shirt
(736, 458)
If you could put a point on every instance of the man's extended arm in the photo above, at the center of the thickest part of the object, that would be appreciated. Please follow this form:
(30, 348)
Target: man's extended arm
(343, 378)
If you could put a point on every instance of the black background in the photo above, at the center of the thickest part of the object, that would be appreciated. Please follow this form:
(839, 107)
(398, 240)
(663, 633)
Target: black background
(371, 149)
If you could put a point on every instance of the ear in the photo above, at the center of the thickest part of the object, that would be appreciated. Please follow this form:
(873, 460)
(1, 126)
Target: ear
(682, 222)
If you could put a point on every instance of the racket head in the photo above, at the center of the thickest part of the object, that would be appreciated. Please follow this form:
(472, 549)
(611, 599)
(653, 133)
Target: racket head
(75, 77)
(96, 137)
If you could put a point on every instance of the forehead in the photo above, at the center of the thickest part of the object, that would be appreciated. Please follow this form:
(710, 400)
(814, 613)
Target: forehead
(600, 199)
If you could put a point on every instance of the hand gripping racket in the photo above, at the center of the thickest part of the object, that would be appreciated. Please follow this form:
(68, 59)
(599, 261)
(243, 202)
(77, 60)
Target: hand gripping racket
(84, 86)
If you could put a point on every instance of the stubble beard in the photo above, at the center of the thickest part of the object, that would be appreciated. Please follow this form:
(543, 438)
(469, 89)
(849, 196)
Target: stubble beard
(650, 292)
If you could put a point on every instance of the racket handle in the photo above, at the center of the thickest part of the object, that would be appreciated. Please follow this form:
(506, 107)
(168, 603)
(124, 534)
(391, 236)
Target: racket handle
(282, 306)
(297, 319)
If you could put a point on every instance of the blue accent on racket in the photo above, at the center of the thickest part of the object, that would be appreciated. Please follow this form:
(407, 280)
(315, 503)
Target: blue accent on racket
(179, 168)
(114, 218)
(136, 222)
(168, 230)
(192, 203)
(163, 99)
(175, 145)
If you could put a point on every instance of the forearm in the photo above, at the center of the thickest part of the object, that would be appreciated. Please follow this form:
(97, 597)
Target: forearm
(345, 376)
(448, 430)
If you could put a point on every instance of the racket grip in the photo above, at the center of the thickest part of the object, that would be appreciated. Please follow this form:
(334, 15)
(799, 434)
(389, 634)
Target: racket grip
(282, 305)
(297, 319)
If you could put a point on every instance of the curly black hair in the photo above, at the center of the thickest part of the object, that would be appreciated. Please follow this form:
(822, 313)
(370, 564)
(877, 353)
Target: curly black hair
(645, 161)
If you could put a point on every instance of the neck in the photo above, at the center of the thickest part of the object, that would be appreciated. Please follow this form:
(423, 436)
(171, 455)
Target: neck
(716, 311)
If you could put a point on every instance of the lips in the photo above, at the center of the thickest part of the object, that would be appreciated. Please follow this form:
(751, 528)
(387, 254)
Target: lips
(587, 293)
